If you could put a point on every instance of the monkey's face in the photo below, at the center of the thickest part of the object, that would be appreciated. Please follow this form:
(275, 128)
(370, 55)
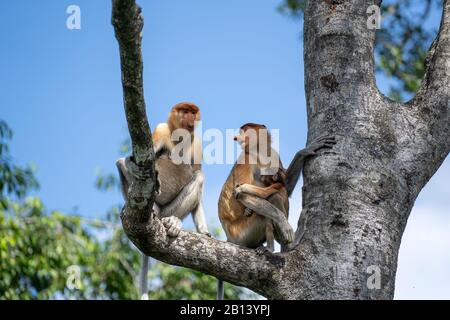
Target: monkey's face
(186, 119)
(186, 115)
(253, 137)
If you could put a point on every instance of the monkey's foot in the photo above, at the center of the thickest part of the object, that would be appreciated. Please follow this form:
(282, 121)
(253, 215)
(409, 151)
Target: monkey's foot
(289, 246)
(286, 232)
(261, 250)
(173, 226)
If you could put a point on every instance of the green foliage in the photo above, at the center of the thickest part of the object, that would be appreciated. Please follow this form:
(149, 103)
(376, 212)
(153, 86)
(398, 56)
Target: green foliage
(294, 8)
(36, 250)
(37, 247)
(402, 44)
(402, 41)
(14, 180)
(169, 282)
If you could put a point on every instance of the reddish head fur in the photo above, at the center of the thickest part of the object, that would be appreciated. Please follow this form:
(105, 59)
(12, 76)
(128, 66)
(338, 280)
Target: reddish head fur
(184, 115)
(243, 137)
(186, 106)
(254, 126)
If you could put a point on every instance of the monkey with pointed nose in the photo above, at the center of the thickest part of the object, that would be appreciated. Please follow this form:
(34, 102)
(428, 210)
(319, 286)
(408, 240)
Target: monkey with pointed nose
(259, 172)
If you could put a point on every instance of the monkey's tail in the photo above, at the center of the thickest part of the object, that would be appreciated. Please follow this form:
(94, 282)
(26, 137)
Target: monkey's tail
(143, 278)
(219, 289)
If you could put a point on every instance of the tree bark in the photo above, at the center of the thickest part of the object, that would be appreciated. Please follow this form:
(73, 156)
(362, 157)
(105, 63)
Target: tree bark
(356, 197)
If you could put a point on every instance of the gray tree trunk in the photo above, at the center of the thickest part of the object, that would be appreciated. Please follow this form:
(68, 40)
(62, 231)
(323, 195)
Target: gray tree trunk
(356, 197)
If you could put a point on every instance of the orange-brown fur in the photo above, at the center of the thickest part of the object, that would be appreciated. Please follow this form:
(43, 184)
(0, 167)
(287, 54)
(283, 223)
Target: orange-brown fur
(242, 229)
(173, 177)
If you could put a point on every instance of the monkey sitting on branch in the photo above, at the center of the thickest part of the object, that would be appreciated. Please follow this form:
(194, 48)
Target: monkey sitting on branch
(250, 175)
(251, 221)
(178, 164)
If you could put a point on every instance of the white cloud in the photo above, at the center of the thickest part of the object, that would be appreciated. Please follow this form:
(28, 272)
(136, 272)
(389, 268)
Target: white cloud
(424, 260)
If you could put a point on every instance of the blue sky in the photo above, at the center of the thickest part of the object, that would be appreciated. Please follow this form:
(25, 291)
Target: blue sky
(240, 61)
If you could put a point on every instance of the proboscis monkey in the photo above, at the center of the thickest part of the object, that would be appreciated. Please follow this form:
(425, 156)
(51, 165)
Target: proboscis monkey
(178, 164)
(250, 224)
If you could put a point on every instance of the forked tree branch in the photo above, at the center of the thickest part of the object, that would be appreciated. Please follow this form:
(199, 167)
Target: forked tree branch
(436, 82)
(423, 124)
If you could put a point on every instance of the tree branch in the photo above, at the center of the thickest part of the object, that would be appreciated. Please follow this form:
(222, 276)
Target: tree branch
(128, 24)
(436, 82)
(423, 124)
(338, 56)
(232, 263)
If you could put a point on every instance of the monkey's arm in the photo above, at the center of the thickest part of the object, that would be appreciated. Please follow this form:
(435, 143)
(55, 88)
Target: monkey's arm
(199, 219)
(123, 176)
(187, 200)
(162, 138)
(196, 154)
(296, 165)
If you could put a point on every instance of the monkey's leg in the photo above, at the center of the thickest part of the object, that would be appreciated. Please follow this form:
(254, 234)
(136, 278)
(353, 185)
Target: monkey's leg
(262, 192)
(187, 200)
(268, 210)
(124, 175)
(129, 172)
(143, 277)
(270, 239)
(219, 289)
(199, 219)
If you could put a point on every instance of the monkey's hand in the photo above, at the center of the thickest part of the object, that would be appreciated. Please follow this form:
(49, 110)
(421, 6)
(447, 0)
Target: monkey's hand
(206, 233)
(248, 212)
(243, 188)
(236, 192)
(320, 143)
(173, 226)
